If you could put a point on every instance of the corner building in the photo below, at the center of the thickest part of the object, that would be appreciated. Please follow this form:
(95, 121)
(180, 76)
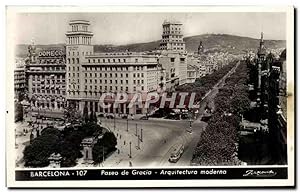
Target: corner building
(90, 74)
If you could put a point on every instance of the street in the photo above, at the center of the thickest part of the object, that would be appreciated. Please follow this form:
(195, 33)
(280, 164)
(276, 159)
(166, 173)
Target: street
(159, 137)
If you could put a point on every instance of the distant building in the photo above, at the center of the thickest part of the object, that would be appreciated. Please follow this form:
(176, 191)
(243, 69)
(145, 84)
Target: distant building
(172, 37)
(19, 81)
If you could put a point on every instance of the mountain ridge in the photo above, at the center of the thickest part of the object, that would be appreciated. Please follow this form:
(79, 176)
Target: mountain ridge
(211, 42)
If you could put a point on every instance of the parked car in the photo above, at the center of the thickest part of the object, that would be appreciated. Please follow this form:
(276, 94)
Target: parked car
(125, 117)
(109, 116)
(144, 118)
(101, 115)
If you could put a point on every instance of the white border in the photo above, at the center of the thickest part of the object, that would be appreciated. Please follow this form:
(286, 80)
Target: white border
(145, 183)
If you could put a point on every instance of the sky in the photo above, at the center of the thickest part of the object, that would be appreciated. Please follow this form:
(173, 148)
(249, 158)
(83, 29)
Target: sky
(127, 28)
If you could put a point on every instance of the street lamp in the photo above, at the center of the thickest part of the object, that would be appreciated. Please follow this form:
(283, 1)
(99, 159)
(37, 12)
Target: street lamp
(190, 126)
(141, 134)
(130, 149)
(136, 129)
(138, 142)
(127, 123)
(114, 122)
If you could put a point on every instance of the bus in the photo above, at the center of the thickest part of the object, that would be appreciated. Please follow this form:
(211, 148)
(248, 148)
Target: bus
(176, 153)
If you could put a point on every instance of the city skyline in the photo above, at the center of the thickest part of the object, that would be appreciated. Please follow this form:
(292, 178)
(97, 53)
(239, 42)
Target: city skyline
(106, 26)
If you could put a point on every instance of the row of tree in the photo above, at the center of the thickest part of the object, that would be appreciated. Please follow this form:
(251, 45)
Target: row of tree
(219, 141)
(202, 85)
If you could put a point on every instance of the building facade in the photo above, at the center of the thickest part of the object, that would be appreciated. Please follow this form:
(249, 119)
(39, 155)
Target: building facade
(90, 74)
(172, 37)
(45, 72)
(20, 83)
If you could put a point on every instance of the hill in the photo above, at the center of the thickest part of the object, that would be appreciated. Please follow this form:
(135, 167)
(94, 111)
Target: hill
(211, 42)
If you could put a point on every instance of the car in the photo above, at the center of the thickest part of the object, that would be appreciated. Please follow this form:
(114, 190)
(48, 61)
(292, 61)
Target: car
(144, 118)
(125, 117)
(101, 115)
(110, 116)
(176, 153)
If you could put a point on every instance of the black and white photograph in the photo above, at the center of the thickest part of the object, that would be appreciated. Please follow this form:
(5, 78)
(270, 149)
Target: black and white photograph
(117, 95)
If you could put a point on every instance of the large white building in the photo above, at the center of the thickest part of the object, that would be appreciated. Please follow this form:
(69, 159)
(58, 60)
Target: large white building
(90, 74)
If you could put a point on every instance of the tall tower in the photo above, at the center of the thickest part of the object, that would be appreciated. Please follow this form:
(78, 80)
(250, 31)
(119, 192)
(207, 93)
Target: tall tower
(172, 37)
(200, 48)
(261, 56)
(78, 45)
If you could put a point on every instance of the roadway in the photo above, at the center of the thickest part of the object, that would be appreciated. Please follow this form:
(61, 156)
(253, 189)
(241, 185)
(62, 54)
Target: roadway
(159, 137)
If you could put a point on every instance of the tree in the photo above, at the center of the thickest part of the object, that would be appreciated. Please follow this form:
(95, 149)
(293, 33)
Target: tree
(70, 152)
(91, 129)
(37, 153)
(240, 104)
(71, 113)
(107, 144)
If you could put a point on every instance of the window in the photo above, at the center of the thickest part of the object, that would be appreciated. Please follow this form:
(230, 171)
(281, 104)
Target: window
(77, 60)
(172, 59)
(89, 61)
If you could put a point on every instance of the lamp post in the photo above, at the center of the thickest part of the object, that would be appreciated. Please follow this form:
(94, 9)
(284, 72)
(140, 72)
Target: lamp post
(190, 125)
(114, 122)
(127, 123)
(138, 143)
(141, 134)
(130, 149)
(136, 129)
